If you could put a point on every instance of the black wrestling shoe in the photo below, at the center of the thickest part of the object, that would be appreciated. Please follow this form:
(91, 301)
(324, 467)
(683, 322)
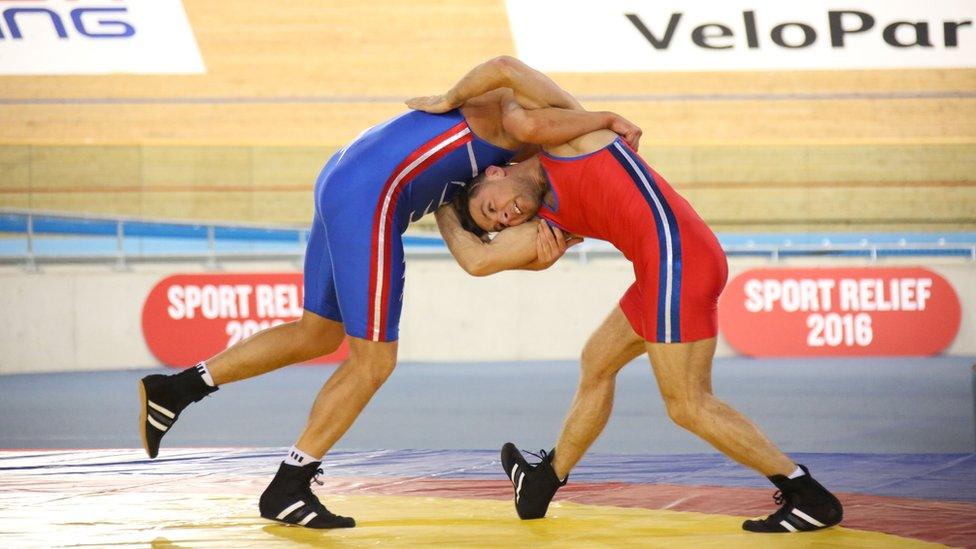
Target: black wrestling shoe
(163, 398)
(806, 506)
(289, 499)
(534, 484)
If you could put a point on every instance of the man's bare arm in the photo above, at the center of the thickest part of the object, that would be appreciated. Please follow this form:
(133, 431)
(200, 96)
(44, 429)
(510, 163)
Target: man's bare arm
(480, 258)
(534, 109)
(554, 126)
(529, 246)
(533, 90)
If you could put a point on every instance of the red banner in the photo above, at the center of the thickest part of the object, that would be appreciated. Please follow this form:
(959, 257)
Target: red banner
(189, 317)
(839, 312)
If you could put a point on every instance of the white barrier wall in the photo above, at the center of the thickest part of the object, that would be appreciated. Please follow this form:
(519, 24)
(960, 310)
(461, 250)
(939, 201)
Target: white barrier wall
(89, 318)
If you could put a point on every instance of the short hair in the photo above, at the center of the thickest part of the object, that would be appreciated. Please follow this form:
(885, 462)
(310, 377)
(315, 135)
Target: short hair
(460, 204)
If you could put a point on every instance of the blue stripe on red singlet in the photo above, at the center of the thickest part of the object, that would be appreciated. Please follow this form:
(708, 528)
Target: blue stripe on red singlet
(667, 226)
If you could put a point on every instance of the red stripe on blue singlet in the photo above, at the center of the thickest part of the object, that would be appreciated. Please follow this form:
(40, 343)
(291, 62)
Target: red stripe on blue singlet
(427, 154)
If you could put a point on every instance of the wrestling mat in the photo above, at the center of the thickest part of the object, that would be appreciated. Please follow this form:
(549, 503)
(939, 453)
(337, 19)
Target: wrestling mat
(208, 498)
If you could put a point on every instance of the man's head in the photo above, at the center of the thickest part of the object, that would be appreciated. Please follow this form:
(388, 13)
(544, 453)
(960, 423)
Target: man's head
(498, 198)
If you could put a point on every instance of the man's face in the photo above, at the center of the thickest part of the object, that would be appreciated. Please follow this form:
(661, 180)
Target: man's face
(503, 200)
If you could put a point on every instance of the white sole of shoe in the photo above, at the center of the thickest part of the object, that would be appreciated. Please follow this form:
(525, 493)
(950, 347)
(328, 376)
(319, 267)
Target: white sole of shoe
(142, 417)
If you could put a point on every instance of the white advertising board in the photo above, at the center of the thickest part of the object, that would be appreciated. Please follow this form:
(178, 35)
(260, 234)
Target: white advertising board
(96, 37)
(670, 35)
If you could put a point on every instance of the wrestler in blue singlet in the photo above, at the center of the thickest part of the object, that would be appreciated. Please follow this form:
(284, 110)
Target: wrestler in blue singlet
(392, 174)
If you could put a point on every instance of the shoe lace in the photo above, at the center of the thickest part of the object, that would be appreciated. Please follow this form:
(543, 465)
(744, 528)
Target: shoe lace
(779, 498)
(541, 455)
(312, 498)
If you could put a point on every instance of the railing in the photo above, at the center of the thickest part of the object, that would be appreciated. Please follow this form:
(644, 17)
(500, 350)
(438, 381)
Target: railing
(868, 250)
(776, 252)
(85, 238)
(52, 237)
(121, 241)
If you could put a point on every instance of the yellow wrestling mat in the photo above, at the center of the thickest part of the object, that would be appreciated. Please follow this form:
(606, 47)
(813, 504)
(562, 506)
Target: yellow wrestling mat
(106, 517)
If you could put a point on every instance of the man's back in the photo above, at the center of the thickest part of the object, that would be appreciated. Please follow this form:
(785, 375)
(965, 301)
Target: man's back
(612, 194)
(409, 165)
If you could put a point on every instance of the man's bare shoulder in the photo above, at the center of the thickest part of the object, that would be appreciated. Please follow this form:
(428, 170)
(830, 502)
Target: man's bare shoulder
(484, 115)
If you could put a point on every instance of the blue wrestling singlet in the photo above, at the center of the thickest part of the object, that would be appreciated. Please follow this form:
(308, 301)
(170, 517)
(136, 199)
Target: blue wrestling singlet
(365, 197)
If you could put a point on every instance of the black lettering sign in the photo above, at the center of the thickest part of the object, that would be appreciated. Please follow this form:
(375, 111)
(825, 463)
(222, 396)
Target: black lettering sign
(661, 44)
(719, 36)
(921, 34)
(837, 29)
(950, 29)
(752, 38)
(809, 35)
(700, 38)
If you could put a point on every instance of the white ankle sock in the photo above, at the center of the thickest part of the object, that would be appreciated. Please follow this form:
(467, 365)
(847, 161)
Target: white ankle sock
(205, 374)
(298, 457)
(796, 474)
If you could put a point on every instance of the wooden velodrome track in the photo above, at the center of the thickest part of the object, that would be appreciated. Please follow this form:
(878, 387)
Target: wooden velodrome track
(287, 83)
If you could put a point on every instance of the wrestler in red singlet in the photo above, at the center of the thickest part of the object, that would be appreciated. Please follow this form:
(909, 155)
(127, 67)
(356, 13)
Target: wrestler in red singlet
(613, 195)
